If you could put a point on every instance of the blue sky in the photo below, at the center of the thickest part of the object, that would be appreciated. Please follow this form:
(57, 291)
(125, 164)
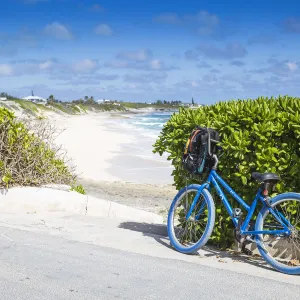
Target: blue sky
(144, 51)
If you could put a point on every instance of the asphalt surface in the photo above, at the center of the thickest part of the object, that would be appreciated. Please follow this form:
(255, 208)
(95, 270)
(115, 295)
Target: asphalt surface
(41, 266)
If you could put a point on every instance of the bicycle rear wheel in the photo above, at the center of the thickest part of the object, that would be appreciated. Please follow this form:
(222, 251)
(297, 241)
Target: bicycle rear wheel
(281, 252)
(188, 236)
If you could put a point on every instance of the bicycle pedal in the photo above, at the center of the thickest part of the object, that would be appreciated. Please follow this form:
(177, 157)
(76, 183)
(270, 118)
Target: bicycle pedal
(237, 213)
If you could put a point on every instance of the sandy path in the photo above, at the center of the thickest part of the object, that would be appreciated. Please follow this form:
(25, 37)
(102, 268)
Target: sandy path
(153, 198)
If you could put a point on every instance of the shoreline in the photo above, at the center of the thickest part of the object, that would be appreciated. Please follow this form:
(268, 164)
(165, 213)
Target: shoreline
(116, 163)
(105, 149)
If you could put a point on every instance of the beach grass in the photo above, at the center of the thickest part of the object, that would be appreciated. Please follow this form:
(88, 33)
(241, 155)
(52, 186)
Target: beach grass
(34, 109)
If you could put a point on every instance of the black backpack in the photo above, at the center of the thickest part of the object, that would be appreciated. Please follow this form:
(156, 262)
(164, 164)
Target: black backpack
(199, 149)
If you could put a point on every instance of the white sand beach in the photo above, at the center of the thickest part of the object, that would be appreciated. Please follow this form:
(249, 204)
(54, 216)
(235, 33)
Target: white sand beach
(116, 162)
(114, 159)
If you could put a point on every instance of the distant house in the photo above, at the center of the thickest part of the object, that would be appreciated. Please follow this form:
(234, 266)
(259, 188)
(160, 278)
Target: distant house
(3, 98)
(106, 101)
(35, 99)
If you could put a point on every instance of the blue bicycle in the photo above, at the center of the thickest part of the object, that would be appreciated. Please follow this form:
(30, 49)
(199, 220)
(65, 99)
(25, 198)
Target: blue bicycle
(277, 227)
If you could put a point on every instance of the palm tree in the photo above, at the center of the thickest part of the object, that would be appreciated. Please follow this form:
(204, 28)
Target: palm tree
(51, 99)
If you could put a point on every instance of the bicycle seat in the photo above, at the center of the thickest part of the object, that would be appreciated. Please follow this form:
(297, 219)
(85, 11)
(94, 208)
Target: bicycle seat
(263, 177)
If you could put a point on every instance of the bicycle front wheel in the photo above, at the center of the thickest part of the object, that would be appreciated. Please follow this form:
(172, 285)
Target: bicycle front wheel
(282, 252)
(189, 235)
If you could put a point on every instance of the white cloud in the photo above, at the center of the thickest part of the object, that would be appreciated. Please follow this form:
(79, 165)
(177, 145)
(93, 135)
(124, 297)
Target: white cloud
(104, 29)
(6, 70)
(58, 31)
(156, 64)
(194, 83)
(292, 66)
(282, 68)
(132, 86)
(46, 65)
(84, 66)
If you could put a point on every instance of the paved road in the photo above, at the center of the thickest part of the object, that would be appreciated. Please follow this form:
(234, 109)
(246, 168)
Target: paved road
(42, 266)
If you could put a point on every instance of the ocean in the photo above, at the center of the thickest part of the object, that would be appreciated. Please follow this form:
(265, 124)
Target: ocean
(152, 122)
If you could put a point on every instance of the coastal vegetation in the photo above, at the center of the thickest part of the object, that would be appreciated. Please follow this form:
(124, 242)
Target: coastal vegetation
(261, 135)
(28, 155)
(82, 105)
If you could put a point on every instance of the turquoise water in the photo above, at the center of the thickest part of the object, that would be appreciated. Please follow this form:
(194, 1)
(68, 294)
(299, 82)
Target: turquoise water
(150, 122)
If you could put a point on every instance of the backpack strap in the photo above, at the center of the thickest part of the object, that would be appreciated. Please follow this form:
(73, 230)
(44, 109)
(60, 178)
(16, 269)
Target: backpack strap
(201, 167)
(195, 133)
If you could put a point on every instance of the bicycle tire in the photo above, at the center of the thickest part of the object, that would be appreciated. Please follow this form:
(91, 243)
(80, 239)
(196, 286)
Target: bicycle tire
(284, 268)
(209, 226)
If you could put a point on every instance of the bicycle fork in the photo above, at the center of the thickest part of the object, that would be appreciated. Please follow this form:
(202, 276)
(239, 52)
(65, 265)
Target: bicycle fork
(195, 200)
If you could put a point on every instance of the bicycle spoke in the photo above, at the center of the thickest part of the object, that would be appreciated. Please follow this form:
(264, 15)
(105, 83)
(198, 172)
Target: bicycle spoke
(284, 249)
(189, 231)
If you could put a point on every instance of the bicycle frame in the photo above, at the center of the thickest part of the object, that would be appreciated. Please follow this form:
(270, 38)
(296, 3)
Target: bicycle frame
(216, 181)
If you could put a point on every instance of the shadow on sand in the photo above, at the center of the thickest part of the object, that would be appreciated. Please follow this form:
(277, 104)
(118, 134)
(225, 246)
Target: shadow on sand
(159, 233)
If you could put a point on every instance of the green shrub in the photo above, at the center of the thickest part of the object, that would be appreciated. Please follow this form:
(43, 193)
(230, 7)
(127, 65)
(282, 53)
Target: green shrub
(63, 108)
(78, 189)
(257, 135)
(41, 118)
(27, 154)
(82, 107)
(76, 109)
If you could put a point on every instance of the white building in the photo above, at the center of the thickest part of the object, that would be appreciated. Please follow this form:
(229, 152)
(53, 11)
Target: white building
(3, 98)
(104, 101)
(35, 99)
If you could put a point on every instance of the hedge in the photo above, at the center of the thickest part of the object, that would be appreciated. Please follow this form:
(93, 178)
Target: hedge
(260, 135)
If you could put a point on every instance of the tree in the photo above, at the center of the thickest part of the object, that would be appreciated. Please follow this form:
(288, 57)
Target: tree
(51, 99)
(90, 100)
